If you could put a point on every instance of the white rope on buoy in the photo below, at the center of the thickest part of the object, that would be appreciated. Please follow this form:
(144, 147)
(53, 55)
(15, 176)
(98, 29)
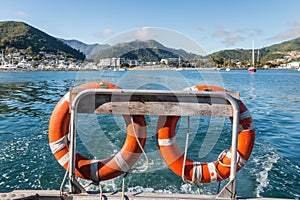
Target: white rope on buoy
(123, 186)
(101, 192)
(135, 169)
(143, 151)
(185, 156)
(185, 150)
(63, 183)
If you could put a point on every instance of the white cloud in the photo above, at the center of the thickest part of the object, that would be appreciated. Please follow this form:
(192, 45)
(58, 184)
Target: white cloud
(144, 34)
(292, 32)
(230, 39)
(220, 32)
(250, 32)
(21, 14)
(106, 32)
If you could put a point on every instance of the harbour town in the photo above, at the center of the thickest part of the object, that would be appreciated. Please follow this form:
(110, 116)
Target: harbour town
(16, 61)
(45, 52)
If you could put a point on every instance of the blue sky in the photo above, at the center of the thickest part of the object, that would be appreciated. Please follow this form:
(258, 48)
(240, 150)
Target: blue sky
(212, 24)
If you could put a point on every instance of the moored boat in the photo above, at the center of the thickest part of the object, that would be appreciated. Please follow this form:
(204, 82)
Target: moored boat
(252, 68)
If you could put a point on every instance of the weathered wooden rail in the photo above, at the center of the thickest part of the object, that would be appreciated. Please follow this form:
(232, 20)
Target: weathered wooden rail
(153, 102)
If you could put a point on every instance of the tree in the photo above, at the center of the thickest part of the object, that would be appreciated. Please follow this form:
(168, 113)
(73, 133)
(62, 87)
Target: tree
(218, 61)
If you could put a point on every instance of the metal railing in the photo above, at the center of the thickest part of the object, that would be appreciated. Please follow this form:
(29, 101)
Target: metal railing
(153, 102)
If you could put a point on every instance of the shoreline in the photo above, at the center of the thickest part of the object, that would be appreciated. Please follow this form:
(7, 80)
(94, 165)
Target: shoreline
(171, 68)
(89, 69)
(132, 69)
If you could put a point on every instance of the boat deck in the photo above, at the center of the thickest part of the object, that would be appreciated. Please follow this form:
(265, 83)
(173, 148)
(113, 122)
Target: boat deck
(55, 194)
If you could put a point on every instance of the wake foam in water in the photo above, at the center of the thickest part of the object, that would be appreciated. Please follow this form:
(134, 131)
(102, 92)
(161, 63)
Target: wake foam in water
(264, 162)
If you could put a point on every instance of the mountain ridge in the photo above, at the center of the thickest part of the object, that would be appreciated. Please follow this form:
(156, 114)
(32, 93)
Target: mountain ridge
(126, 48)
(90, 50)
(266, 53)
(16, 35)
(149, 50)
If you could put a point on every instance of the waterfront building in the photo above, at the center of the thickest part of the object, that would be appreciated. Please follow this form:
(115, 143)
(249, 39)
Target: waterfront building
(112, 62)
(293, 65)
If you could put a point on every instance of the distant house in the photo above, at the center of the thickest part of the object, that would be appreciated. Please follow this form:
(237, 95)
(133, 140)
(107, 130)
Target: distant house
(164, 61)
(133, 62)
(174, 60)
(112, 62)
(170, 60)
(105, 62)
(293, 65)
(16, 55)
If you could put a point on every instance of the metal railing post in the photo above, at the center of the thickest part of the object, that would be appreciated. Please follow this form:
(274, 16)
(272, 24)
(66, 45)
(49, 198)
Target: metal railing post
(72, 148)
(229, 190)
(74, 186)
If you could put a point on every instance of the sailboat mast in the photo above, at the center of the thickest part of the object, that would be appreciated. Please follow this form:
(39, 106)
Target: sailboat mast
(253, 53)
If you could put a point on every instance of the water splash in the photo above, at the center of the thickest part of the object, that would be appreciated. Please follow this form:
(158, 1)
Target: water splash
(266, 163)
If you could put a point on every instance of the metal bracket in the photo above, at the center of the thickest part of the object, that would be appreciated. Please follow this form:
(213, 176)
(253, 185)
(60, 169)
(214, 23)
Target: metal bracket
(75, 186)
(228, 192)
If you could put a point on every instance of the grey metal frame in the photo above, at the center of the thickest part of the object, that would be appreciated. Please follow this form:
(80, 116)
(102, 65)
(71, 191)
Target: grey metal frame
(228, 192)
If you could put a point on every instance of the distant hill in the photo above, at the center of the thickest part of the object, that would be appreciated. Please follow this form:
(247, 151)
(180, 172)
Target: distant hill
(266, 53)
(21, 36)
(149, 54)
(90, 50)
(291, 45)
(233, 54)
(149, 50)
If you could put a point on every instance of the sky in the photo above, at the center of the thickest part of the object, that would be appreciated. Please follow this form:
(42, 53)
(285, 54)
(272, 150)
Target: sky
(211, 25)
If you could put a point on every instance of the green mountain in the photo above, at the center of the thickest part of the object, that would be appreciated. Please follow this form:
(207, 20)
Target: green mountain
(232, 54)
(149, 54)
(149, 50)
(89, 50)
(279, 50)
(291, 45)
(265, 54)
(21, 36)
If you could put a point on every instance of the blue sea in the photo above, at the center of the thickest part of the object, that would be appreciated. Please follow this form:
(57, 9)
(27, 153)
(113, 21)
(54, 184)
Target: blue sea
(27, 99)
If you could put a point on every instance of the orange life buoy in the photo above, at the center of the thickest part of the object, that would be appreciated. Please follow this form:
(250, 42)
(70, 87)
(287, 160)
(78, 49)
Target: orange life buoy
(96, 170)
(201, 172)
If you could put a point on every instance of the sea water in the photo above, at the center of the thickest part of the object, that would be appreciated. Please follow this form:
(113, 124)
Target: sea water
(27, 99)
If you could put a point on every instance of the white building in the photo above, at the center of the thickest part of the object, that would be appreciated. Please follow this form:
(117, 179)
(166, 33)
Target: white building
(105, 62)
(170, 60)
(293, 65)
(133, 62)
(112, 62)
(164, 61)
